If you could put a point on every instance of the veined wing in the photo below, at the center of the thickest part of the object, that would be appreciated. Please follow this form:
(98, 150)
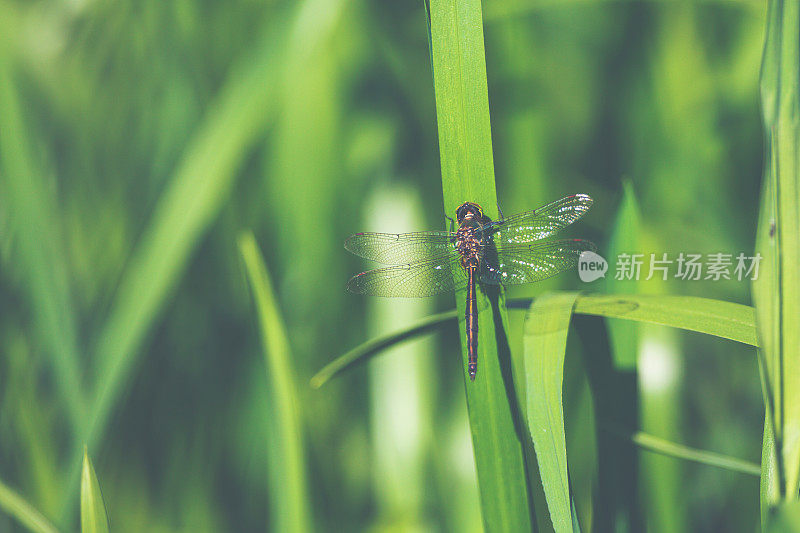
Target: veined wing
(422, 278)
(543, 222)
(513, 264)
(400, 248)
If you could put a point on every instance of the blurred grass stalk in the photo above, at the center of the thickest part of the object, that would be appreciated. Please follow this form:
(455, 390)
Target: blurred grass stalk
(776, 292)
(240, 112)
(16, 506)
(287, 472)
(401, 406)
(651, 354)
(467, 164)
(43, 265)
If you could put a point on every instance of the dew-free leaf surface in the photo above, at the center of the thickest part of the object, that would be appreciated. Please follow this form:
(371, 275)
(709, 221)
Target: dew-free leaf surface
(287, 472)
(94, 518)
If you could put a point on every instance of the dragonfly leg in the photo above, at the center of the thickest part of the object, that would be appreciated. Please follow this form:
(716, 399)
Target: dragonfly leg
(500, 211)
(452, 222)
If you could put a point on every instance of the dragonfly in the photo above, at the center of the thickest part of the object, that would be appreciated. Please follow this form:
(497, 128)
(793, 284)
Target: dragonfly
(509, 251)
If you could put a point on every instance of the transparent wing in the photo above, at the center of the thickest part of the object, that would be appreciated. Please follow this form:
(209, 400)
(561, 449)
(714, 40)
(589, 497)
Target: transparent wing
(543, 222)
(400, 248)
(514, 264)
(422, 278)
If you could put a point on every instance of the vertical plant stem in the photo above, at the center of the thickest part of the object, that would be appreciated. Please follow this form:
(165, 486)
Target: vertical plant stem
(777, 290)
(465, 145)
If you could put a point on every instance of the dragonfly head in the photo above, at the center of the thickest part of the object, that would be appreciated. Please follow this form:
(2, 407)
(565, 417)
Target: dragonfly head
(469, 211)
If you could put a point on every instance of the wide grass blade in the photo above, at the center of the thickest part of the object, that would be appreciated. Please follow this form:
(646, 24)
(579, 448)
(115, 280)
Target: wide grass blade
(94, 518)
(465, 149)
(776, 292)
(287, 483)
(785, 519)
(16, 506)
(704, 315)
(545, 341)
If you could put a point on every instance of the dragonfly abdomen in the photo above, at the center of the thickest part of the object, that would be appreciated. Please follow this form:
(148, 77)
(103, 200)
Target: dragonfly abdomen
(472, 323)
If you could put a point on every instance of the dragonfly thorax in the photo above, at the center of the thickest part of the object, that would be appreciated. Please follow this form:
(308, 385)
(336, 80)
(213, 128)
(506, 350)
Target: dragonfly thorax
(469, 245)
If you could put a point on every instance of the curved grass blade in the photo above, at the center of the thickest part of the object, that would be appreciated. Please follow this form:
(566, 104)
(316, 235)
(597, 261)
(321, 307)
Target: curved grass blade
(679, 451)
(704, 315)
(727, 320)
(374, 346)
(287, 483)
(93, 511)
(465, 149)
(16, 506)
(545, 343)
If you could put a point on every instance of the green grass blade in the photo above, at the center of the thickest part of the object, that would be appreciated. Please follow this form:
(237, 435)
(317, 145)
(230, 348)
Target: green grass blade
(623, 334)
(727, 320)
(42, 262)
(679, 451)
(545, 341)
(769, 487)
(785, 519)
(777, 292)
(16, 506)
(374, 346)
(465, 149)
(704, 315)
(287, 483)
(193, 197)
(618, 494)
(93, 511)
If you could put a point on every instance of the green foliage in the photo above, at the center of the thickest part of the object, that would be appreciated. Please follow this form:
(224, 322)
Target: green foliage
(785, 519)
(137, 140)
(289, 505)
(13, 504)
(545, 346)
(713, 317)
(41, 257)
(93, 511)
(678, 451)
(625, 238)
(378, 344)
(777, 291)
(465, 148)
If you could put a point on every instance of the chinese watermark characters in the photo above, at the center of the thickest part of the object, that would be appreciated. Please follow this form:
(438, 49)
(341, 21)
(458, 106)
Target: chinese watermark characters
(687, 267)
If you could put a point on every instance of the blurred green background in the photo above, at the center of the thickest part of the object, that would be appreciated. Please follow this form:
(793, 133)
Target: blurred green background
(139, 139)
